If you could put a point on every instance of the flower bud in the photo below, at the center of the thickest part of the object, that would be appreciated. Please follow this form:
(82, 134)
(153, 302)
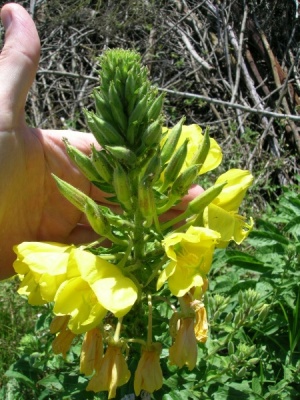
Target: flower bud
(174, 166)
(198, 204)
(95, 217)
(136, 117)
(152, 134)
(102, 165)
(117, 109)
(102, 109)
(83, 162)
(146, 201)
(122, 154)
(153, 169)
(171, 142)
(122, 187)
(75, 196)
(200, 156)
(184, 181)
(104, 132)
(155, 108)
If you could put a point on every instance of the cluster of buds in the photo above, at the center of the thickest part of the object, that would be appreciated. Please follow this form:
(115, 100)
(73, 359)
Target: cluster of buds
(103, 289)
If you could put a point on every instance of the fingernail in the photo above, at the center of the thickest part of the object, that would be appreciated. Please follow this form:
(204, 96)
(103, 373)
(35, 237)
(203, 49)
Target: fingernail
(6, 18)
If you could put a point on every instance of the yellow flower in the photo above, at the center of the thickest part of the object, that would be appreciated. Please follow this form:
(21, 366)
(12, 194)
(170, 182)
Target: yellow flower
(112, 373)
(91, 352)
(148, 375)
(191, 257)
(194, 134)
(42, 267)
(101, 286)
(184, 350)
(222, 214)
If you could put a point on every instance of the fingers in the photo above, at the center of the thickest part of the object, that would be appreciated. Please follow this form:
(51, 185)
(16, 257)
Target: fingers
(18, 64)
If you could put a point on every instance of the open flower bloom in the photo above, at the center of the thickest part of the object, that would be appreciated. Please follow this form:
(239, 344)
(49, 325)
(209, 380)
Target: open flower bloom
(184, 350)
(112, 373)
(194, 134)
(99, 288)
(191, 257)
(222, 214)
(91, 352)
(42, 268)
(148, 375)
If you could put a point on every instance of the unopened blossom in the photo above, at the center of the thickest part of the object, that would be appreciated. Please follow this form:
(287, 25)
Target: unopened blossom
(42, 267)
(91, 352)
(184, 350)
(148, 375)
(222, 214)
(190, 255)
(112, 372)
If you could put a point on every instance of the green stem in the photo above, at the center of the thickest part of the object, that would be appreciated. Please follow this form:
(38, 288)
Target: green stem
(175, 220)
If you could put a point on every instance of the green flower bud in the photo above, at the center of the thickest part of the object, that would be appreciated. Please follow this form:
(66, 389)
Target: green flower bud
(184, 181)
(140, 110)
(96, 219)
(104, 132)
(122, 187)
(102, 165)
(117, 109)
(174, 166)
(155, 108)
(102, 107)
(152, 134)
(83, 162)
(198, 204)
(202, 153)
(146, 202)
(122, 154)
(75, 196)
(153, 168)
(171, 142)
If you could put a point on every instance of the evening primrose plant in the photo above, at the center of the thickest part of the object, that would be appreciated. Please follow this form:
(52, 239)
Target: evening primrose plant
(99, 291)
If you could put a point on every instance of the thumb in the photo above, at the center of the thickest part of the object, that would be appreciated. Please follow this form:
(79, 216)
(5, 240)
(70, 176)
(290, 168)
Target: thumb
(18, 64)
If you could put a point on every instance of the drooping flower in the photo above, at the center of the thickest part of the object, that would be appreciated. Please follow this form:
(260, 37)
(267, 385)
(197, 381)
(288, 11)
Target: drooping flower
(64, 338)
(191, 257)
(184, 350)
(201, 325)
(112, 372)
(99, 288)
(91, 352)
(195, 138)
(222, 214)
(148, 375)
(42, 268)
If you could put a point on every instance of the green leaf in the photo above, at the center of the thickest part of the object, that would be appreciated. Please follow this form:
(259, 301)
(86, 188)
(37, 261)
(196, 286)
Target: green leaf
(20, 377)
(51, 382)
(263, 238)
(293, 226)
(247, 261)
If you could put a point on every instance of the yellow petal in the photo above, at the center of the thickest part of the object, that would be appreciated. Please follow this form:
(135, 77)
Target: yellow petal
(76, 298)
(114, 291)
(238, 181)
(230, 225)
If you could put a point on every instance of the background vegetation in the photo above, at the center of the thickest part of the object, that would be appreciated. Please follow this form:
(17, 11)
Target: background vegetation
(233, 66)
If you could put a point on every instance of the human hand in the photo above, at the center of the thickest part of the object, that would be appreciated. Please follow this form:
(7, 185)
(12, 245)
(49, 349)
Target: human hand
(31, 207)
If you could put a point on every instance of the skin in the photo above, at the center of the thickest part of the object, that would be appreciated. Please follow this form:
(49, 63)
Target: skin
(31, 208)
